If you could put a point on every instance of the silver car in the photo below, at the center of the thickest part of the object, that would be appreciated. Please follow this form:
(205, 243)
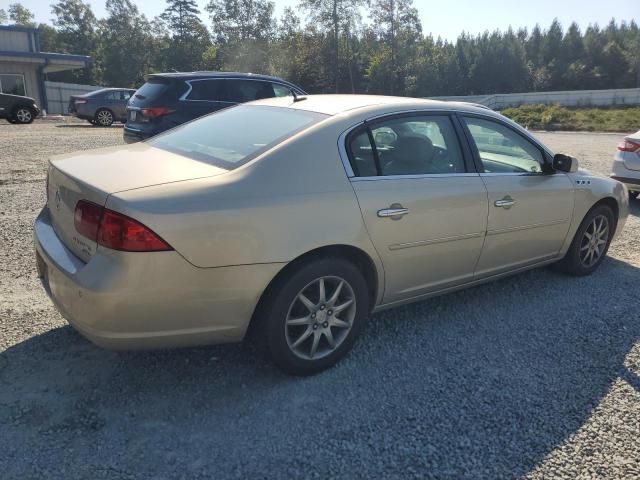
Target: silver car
(292, 219)
(626, 164)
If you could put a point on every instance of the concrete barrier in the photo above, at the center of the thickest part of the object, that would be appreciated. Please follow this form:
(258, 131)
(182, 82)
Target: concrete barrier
(570, 98)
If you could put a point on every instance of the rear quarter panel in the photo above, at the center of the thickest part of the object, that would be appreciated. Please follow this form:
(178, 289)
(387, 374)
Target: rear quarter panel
(291, 200)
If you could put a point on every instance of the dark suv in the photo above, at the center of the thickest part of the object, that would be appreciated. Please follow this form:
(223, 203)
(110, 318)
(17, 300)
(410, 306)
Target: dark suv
(18, 109)
(101, 107)
(170, 99)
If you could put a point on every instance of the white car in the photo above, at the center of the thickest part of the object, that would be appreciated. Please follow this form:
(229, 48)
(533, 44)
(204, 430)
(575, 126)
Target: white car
(626, 164)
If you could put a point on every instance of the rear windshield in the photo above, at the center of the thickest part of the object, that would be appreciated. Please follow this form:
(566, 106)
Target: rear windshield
(152, 89)
(232, 137)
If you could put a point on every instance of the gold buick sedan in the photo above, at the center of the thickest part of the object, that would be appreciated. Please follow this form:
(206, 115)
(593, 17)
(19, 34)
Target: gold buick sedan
(295, 218)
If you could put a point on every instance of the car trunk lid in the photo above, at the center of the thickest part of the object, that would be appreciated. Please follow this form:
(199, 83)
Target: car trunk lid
(96, 174)
(632, 159)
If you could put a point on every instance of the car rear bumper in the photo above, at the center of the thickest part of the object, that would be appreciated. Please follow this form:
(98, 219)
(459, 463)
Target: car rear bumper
(620, 172)
(132, 135)
(125, 300)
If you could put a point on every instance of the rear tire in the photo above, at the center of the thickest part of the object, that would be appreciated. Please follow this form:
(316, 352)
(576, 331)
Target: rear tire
(104, 117)
(311, 318)
(633, 195)
(590, 243)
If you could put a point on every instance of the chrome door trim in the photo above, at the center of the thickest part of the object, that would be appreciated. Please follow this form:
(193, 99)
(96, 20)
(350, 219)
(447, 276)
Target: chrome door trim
(344, 157)
(527, 227)
(433, 241)
(184, 98)
(414, 176)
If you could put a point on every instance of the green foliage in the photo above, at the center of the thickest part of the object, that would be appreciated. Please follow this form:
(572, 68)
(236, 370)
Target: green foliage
(334, 52)
(21, 15)
(555, 117)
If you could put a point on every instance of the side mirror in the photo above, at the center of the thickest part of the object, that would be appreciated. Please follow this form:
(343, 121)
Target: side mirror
(565, 163)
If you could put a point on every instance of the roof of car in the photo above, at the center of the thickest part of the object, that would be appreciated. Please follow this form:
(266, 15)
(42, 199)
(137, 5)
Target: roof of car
(194, 75)
(337, 104)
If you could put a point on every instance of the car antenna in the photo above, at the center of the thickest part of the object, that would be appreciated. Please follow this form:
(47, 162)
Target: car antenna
(297, 98)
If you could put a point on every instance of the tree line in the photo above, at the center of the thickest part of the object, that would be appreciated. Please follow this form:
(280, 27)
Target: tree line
(326, 46)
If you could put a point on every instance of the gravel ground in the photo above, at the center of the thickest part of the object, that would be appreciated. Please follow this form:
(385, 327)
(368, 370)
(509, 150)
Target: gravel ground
(534, 376)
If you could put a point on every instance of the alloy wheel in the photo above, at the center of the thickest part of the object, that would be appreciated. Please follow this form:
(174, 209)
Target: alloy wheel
(23, 115)
(594, 240)
(105, 118)
(320, 317)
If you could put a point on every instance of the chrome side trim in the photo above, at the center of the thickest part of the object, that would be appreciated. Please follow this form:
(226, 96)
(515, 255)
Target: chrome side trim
(342, 149)
(434, 241)
(527, 227)
(416, 176)
(513, 174)
(183, 97)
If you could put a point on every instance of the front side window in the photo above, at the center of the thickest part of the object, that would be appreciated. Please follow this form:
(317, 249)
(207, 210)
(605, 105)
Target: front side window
(281, 90)
(502, 150)
(415, 145)
(240, 91)
(233, 136)
(12, 85)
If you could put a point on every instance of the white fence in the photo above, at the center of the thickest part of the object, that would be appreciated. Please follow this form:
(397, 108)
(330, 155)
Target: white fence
(58, 94)
(572, 98)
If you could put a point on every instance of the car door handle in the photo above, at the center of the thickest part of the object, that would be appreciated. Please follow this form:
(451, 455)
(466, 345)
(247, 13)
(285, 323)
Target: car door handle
(505, 202)
(393, 212)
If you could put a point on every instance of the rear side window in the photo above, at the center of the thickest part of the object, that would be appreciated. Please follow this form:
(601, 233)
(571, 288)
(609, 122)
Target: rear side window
(232, 137)
(240, 91)
(407, 145)
(207, 90)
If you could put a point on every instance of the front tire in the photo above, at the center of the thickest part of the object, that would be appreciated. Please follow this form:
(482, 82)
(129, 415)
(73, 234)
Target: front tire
(591, 242)
(312, 317)
(24, 115)
(104, 117)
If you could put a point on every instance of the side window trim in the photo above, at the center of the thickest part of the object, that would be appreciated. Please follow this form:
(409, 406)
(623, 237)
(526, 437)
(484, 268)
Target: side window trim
(374, 149)
(345, 139)
(476, 153)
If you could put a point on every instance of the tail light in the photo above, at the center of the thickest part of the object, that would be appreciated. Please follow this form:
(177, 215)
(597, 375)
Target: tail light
(79, 100)
(628, 146)
(156, 112)
(115, 230)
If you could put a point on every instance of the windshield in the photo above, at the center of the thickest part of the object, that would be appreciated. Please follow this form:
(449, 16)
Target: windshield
(233, 136)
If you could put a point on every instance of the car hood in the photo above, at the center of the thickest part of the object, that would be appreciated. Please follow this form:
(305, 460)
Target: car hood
(20, 97)
(116, 169)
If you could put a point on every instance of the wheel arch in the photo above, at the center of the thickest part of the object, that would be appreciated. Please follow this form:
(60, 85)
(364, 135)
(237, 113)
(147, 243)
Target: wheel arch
(355, 255)
(611, 203)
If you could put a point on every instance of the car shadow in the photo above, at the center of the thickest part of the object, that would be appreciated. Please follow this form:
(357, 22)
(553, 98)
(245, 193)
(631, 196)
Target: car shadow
(634, 207)
(88, 125)
(482, 383)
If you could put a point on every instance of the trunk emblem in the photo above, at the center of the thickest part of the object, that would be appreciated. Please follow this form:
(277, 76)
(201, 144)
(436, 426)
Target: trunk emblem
(58, 199)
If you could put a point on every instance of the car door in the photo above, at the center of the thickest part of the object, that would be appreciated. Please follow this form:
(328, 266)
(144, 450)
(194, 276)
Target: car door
(120, 106)
(530, 206)
(424, 207)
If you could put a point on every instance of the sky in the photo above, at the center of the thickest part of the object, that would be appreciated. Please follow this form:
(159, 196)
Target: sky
(444, 18)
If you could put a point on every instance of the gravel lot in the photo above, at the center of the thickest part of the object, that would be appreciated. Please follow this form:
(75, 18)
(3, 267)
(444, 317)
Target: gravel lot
(534, 376)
